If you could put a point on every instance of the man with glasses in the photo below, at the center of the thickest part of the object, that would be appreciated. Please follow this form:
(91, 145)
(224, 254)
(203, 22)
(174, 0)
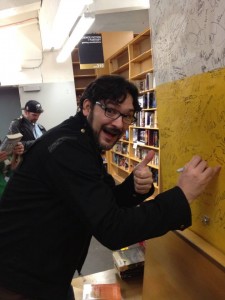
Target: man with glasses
(61, 196)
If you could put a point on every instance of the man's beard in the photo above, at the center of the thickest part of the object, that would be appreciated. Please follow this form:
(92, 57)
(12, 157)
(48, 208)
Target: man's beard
(113, 131)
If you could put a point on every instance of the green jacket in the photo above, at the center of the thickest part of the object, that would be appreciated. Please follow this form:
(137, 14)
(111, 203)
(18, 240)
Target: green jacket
(5, 172)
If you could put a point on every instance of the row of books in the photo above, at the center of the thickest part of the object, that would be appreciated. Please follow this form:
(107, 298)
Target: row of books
(145, 84)
(146, 136)
(139, 151)
(125, 137)
(121, 147)
(147, 100)
(147, 119)
(121, 161)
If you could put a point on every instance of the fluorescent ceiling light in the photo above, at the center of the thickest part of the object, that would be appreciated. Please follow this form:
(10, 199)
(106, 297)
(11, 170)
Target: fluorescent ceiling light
(79, 31)
(66, 16)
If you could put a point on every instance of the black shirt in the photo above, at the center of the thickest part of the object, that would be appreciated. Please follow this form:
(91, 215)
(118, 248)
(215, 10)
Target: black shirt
(58, 198)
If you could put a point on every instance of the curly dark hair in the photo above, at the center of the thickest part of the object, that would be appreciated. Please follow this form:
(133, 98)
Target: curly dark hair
(110, 87)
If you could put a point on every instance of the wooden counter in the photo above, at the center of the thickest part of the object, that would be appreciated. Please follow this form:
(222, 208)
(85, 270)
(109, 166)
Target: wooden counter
(176, 270)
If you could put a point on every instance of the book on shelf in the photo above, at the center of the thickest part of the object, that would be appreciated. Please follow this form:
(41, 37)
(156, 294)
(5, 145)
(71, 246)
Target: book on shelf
(141, 101)
(155, 175)
(155, 138)
(10, 142)
(106, 291)
(129, 262)
(140, 84)
(135, 135)
(140, 152)
(149, 81)
(145, 84)
(125, 135)
(124, 149)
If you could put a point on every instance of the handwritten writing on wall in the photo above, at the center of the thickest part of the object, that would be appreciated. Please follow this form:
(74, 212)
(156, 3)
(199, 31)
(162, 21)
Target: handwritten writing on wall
(191, 117)
(188, 37)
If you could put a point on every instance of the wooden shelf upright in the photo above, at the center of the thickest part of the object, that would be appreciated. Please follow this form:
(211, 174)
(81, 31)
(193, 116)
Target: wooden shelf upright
(134, 62)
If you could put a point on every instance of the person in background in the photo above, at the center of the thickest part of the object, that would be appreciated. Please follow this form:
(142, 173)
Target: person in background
(8, 163)
(61, 196)
(27, 123)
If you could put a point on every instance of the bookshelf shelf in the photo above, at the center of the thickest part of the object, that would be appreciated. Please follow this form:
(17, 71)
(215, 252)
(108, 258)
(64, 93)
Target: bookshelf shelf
(134, 62)
(145, 146)
(118, 179)
(119, 61)
(146, 91)
(140, 73)
(140, 44)
(82, 77)
(154, 166)
(121, 69)
(120, 153)
(149, 109)
(121, 168)
(124, 141)
(146, 127)
(142, 57)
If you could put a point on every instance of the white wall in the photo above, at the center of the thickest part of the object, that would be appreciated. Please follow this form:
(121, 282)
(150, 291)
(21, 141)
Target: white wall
(57, 94)
(20, 55)
(188, 38)
(57, 100)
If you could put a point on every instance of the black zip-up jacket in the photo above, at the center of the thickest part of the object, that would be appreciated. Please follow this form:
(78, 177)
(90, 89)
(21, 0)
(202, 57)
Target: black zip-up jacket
(58, 198)
(25, 127)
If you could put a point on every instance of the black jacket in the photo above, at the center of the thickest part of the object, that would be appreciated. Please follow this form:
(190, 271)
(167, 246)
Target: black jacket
(58, 198)
(25, 127)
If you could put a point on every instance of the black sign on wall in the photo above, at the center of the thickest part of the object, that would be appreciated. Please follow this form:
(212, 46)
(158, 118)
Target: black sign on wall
(91, 52)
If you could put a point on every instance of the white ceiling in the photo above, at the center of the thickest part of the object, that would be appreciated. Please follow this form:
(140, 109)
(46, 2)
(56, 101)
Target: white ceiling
(110, 15)
(11, 10)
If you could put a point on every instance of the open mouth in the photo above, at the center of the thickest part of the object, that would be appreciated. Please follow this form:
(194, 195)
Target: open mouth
(113, 132)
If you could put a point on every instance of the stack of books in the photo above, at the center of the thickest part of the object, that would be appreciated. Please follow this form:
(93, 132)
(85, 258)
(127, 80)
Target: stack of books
(129, 262)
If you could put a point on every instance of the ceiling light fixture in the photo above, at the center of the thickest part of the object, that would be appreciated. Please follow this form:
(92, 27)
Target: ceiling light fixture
(79, 31)
(67, 14)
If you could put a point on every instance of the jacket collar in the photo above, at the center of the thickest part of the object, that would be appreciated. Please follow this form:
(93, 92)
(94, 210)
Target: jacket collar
(86, 128)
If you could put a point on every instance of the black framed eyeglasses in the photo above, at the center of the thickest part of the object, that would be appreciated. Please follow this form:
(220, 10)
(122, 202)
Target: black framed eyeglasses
(114, 114)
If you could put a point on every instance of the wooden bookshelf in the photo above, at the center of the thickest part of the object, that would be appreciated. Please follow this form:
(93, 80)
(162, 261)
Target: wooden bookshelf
(112, 42)
(82, 77)
(119, 62)
(140, 56)
(134, 62)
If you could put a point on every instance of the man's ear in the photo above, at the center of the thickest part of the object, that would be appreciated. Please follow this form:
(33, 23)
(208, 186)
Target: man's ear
(86, 107)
